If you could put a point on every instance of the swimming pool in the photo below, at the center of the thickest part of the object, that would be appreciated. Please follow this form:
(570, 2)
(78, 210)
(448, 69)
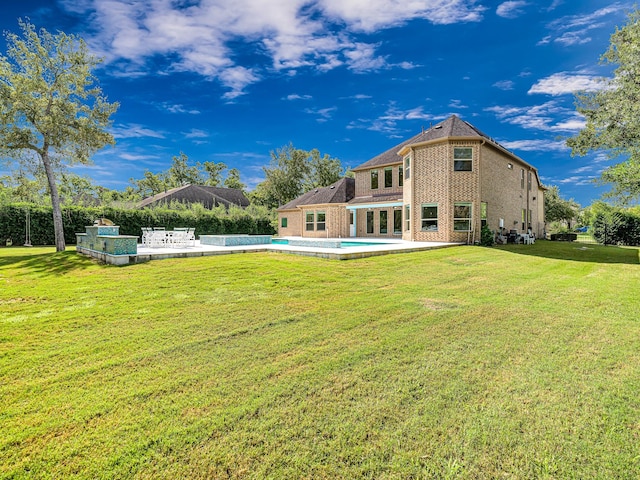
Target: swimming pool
(327, 243)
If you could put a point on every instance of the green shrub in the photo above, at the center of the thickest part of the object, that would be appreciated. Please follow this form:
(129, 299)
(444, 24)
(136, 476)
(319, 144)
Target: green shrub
(75, 219)
(486, 237)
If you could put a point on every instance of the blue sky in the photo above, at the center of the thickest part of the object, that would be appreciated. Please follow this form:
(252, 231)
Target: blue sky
(232, 80)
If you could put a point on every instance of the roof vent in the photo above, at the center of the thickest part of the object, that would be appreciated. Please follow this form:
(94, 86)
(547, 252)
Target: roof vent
(332, 187)
(437, 127)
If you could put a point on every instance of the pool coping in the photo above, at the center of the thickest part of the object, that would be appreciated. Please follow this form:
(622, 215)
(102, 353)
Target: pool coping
(380, 247)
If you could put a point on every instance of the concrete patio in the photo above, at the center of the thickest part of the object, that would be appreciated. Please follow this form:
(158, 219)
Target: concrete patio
(374, 247)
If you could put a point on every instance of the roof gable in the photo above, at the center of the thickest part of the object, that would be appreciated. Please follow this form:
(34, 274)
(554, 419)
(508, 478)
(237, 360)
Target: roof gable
(207, 196)
(339, 192)
(451, 127)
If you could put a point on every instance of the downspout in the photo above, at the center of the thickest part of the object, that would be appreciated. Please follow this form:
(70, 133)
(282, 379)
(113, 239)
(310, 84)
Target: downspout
(529, 187)
(484, 140)
(413, 194)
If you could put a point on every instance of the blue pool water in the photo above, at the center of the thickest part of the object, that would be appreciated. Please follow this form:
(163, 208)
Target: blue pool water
(344, 243)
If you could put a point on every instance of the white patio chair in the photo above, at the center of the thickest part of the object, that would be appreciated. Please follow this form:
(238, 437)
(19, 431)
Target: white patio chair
(158, 238)
(191, 237)
(146, 236)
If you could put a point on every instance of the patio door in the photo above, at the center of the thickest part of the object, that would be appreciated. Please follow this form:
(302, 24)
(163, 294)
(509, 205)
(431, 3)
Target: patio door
(352, 223)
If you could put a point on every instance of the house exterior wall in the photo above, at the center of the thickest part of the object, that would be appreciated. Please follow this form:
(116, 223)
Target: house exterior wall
(363, 181)
(507, 195)
(433, 182)
(493, 185)
(336, 221)
(294, 223)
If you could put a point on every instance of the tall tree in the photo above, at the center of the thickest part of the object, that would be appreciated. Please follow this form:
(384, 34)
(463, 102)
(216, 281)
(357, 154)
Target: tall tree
(286, 173)
(180, 173)
(233, 180)
(613, 114)
(150, 185)
(323, 170)
(293, 172)
(214, 171)
(51, 109)
(557, 209)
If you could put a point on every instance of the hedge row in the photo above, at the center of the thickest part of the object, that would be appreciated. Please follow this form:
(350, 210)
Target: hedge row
(75, 219)
(617, 228)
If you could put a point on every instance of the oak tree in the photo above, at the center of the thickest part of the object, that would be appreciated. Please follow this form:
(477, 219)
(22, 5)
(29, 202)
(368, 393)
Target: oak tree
(52, 110)
(612, 114)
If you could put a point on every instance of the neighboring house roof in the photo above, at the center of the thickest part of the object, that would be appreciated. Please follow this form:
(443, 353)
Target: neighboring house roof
(208, 196)
(451, 127)
(339, 192)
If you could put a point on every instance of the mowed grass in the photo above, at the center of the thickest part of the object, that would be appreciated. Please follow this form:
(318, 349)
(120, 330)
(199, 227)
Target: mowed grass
(467, 362)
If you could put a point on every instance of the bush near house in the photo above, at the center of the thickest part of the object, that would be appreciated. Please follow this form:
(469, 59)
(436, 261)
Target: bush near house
(75, 219)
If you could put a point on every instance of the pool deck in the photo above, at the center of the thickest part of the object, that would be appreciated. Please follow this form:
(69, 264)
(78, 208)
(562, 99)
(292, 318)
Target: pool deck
(385, 247)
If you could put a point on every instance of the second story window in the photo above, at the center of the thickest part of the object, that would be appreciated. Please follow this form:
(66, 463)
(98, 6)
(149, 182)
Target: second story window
(522, 178)
(374, 179)
(388, 177)
(400, 179)
(407, 167)
(462, 159)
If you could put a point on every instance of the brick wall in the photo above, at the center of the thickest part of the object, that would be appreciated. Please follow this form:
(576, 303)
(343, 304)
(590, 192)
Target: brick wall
(336, 221)
(501, 188)
(434, 181)
(294, 223)
(363, 181)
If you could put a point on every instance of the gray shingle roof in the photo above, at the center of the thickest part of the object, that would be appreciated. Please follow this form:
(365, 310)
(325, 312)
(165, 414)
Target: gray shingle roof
(451, 127)
(207, 196)
(339, 192)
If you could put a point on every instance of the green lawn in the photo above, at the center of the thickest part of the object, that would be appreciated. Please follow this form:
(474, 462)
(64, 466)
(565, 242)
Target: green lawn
(515, 362)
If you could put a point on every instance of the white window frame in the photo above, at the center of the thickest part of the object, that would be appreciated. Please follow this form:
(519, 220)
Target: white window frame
(424, 222)
(462, 160)
(310, 224)
(321, 226)
(462, 219)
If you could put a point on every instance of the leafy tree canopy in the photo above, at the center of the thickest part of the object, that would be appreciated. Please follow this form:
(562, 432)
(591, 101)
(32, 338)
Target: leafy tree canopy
(180, 173)
(52, 112)
(613, 114)
(557, 209)
(292, 172)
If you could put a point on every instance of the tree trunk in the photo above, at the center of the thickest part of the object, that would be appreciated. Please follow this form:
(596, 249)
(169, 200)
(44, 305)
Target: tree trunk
(58, 228)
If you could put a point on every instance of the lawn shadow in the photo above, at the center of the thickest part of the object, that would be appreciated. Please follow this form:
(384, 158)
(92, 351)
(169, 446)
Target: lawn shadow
(48, 263)
(577, 252)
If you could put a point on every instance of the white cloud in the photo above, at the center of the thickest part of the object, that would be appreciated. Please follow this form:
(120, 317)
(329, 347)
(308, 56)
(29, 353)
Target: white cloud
(535, 145)
(574, 29)
(323, 114)
(177, 108)
(133, 130)
(388, 123)
(196, 133)
(564, 83)
(457, 104)
(549, 117)
(511, 9)
(295, 96)
(372, 15)
(196, 35)
(505, 85)
(134, 157)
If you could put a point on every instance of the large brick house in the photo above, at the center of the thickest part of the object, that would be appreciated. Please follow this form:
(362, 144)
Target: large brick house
(440, 185)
